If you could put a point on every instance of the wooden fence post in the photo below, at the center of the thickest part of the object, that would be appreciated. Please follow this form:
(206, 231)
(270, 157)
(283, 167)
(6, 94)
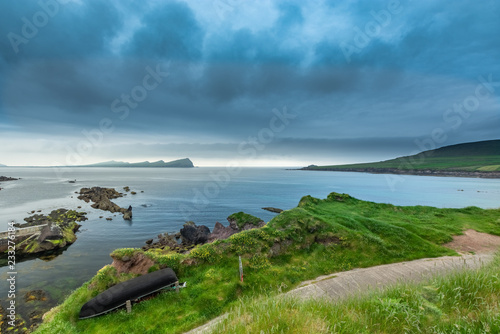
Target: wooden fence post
(129, 306)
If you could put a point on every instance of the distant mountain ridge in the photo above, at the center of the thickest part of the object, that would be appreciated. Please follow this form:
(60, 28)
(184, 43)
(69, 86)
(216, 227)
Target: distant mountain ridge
(1, 165)
(181, 163)
(475, 159)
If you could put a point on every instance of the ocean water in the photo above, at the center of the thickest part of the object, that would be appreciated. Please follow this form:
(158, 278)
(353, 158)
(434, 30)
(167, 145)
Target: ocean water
(203, 195)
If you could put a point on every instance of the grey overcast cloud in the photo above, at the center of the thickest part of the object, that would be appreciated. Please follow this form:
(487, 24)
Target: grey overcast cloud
(263, 83)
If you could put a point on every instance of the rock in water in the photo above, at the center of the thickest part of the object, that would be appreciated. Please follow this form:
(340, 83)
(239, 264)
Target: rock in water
(127, 215)
(102, 200)
(271, 209)
(35, 295)
(6, 178)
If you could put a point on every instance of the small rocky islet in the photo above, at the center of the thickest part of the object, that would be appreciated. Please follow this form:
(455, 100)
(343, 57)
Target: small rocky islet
(101, 198)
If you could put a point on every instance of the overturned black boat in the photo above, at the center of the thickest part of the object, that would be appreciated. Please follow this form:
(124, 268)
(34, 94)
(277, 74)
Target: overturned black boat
(133, 289)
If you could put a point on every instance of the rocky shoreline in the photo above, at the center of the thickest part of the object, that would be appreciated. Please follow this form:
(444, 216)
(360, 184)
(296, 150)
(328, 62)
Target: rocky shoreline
(45, 237)
(423, 172)
(191, 234)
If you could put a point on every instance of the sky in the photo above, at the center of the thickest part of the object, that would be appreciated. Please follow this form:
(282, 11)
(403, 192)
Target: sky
(256, 83)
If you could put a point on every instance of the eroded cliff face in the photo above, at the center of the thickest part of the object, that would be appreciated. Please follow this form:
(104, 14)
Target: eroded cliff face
(135, 264)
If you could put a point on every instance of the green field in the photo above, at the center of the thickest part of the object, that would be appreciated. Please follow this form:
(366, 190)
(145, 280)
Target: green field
(469, 157)
(317, 237)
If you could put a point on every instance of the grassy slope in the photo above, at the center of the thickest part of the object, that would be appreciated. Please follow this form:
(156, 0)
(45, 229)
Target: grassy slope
(466, 302)
(318, 237)
(479, 156)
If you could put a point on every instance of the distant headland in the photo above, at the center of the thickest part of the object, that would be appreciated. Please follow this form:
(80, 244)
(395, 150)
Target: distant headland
(181, 163)
(476, 159)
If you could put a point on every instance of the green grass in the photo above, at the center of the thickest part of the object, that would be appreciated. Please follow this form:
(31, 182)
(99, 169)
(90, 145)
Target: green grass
(317, 237)
(469, 157)
(464, 302)
(242, 218)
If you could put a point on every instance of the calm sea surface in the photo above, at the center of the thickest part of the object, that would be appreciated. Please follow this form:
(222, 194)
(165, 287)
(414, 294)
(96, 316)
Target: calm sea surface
(203, 195)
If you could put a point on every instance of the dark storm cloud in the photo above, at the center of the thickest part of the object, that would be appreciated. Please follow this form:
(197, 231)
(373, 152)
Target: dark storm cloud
(226, 75)
(430, 36)
(170, 32)
(56, 29)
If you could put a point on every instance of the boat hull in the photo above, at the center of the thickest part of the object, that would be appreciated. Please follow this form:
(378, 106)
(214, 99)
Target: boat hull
(133, 289)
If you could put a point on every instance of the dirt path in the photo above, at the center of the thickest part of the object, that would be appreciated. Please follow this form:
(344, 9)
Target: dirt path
(472, 241)
(357, 281)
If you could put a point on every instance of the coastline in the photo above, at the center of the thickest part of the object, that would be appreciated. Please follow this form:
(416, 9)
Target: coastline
(424, 172)
(211, 267)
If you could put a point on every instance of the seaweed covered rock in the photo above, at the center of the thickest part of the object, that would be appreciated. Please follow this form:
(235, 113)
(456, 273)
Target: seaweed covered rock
(48, 233)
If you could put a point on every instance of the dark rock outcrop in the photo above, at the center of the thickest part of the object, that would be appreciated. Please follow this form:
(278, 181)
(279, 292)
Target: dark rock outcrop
(166, 241)
(6, 178)
(271, 209)
(194, 235)
(237, 223)
(127, 215)
(102, 200)
(221, 232)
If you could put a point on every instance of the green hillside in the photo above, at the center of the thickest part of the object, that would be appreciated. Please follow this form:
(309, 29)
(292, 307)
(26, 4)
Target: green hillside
(481, 156)
(317, 237)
